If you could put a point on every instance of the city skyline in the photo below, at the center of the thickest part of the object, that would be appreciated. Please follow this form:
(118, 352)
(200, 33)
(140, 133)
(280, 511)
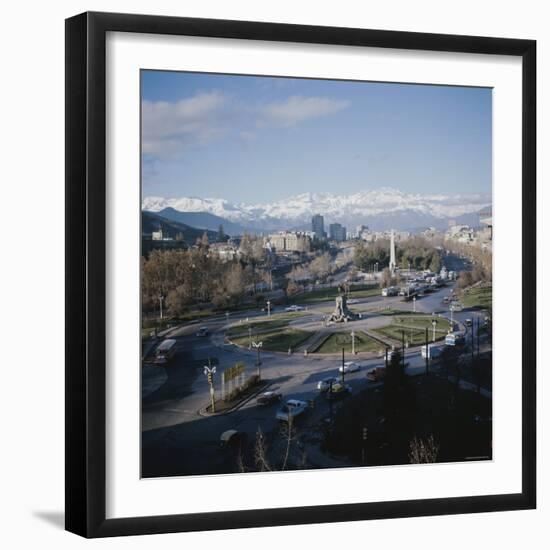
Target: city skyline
(268, 138)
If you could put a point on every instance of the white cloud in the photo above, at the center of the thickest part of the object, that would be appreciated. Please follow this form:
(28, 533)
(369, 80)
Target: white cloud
(297, 109)
(170, 128)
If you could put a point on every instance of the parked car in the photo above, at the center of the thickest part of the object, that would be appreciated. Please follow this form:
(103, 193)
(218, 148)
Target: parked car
(203, 331)
(433, 352)
(349, 366)
(291, 410)
(294, 308)
(353, 301)
(454, 339)
(390, 291)
(338, 391)
(392, 353)
(165, 351)
(232, 438)
(377, 374)
(324, 384)
(268, 398)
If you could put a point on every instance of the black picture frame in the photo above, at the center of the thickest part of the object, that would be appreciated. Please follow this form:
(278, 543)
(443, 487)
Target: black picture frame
(86, 283)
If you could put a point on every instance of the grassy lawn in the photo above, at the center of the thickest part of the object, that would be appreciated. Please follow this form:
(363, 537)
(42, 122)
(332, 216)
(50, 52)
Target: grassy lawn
(335, 342)
(415, 329)
(479, 297)
(276, 321)
(396, 312)
(279, 340)
(315, 296)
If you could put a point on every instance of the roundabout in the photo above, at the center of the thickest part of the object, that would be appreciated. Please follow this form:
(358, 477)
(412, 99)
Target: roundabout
(356, 330)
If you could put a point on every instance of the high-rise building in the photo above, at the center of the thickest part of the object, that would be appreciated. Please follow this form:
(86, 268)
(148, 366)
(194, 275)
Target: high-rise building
(290, 241)
(337, 232)
(318, 226)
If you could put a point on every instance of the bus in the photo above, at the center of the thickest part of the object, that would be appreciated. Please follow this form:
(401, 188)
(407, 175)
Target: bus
(165, 351)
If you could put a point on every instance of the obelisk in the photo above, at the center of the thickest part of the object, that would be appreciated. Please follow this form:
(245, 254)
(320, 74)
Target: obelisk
(392, 252)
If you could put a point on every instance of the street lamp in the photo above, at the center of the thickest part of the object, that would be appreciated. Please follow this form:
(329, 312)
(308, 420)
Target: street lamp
(434, 323)
(258, 345)
(209, 373)
(161, 300)
(403, 348)
(353, 342)
(414, 304)
(427, 354)
(268, 308)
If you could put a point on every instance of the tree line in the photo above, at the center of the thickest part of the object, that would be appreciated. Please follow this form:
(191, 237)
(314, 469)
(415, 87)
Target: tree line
(415, 252)
(183, 279)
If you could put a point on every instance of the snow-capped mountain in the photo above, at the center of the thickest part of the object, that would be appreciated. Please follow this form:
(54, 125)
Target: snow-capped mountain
(379, 208)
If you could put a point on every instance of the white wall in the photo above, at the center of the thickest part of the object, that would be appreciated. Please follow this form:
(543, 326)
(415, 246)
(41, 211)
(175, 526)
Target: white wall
(31, 393)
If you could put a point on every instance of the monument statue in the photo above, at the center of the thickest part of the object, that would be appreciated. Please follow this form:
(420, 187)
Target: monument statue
(341, 313)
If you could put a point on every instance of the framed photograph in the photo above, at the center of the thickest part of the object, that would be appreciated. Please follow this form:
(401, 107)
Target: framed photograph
(300, 274)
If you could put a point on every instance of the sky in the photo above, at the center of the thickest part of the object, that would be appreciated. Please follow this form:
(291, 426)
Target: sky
(260, 139)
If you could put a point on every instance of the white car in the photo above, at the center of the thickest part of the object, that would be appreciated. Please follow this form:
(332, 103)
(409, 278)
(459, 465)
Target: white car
(324, 384)
(353, 301)
(349, 366)
(294, 308)
(291, 409)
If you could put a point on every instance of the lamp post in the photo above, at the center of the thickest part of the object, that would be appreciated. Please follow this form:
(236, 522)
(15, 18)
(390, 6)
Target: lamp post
(161, 300)
(258, 345)
(353, 342)
(434, 323)
(268, 308)
(343, 367)
(427, 354)
(209, 373)
(403, 348)
(414, 304)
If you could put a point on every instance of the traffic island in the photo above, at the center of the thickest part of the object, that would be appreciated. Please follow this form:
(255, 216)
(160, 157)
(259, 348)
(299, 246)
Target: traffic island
(252, 388)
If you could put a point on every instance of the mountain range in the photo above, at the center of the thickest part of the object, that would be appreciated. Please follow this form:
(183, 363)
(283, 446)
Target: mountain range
(153, 222)
(380, 209)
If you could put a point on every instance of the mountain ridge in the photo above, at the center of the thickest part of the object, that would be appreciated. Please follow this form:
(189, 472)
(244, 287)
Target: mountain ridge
(381, 208)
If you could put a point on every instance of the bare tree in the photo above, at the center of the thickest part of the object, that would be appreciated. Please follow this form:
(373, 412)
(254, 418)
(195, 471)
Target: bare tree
(423, 451)
(260, 452)
(385, 280)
